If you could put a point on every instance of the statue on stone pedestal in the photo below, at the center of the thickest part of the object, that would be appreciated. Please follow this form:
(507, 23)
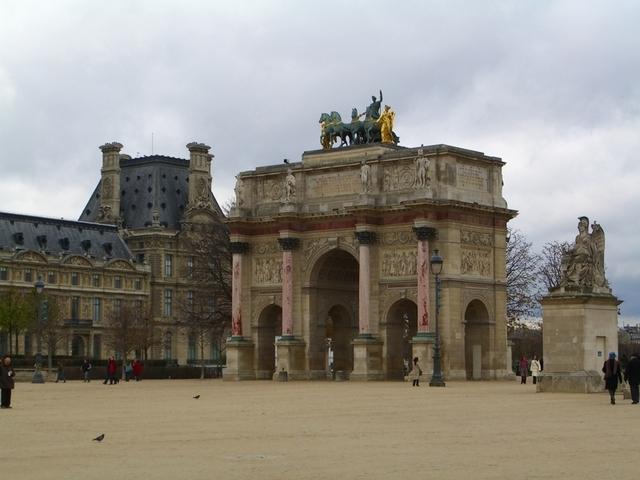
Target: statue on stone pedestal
(386, 125)
(289, 187)
(583, 264)
(365, 177)
(422, 169)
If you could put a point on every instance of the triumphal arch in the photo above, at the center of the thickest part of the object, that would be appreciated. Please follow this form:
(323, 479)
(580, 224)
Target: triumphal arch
(331, 274)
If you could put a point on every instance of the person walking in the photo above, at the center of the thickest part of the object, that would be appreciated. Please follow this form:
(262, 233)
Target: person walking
(612, 376)
(6, 382)
(632, 375)
(112, 367)
(414, 374)
(535, 368)
(128, 371)
(137, 369)
(524, 369)
(60, 377)
(86, 370)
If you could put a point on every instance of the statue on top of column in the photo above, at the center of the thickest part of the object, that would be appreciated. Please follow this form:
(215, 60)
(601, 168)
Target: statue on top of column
(583, 265)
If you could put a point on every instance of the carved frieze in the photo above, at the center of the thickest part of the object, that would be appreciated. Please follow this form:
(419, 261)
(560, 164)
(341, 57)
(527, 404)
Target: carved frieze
(398, 238)
(476, 261)
(399, 263)
(479, 239)
(399, 177)
(265, 248)
(267, 270)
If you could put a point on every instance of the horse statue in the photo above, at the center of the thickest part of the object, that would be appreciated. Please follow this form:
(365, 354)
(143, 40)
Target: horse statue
(332, 128)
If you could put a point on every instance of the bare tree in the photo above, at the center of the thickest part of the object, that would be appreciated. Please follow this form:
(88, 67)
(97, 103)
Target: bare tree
(130, 327)
(522, 279)
(51, 327)
(206, 310)
(550, 269)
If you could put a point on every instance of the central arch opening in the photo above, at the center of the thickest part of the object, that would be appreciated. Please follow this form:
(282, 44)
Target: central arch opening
(333, 321)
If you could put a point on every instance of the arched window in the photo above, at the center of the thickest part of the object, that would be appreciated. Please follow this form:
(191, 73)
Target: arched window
(167, 342)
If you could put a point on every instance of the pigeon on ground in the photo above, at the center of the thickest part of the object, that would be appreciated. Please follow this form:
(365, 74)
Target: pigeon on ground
(99, 438)
(197, 397)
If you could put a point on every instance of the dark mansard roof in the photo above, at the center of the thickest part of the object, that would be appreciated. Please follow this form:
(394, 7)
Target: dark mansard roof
(148, 183)
(53, 236)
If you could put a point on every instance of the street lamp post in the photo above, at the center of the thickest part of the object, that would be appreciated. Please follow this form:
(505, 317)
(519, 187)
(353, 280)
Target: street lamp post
(37, 374)
(436, 378)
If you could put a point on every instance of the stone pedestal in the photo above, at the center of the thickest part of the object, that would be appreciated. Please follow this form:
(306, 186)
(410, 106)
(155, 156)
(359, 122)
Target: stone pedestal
(239, 360)
(422, 347)
(570, 382)
(367, 359)
(290, 352)
(579, 330)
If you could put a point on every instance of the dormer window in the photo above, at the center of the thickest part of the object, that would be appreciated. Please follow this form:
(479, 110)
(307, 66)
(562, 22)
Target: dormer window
(42, 241)
(86, 245)
(18, 238)
(64, 243)
(108, 248)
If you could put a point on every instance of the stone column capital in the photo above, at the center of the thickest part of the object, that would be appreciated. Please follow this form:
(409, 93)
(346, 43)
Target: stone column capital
(238, 247)
(425, 233)
(289, 243)
(366, 237)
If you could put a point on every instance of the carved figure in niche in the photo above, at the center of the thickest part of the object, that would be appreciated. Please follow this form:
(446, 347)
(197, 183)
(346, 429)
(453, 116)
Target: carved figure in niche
(290, 187)
(105, 212)
(202, 192)
(239, 189)
(365, 177)
(583, 264)
(386, 125)
(422, 169)
(107, 188)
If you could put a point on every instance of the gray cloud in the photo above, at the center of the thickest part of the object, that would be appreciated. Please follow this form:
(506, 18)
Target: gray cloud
(551, 87)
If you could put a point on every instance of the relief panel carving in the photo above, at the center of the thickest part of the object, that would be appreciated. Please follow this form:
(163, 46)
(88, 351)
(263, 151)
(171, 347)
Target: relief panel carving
(399, 263)
(399, 177)
(267, 270)
(480, 239)
(475, 261)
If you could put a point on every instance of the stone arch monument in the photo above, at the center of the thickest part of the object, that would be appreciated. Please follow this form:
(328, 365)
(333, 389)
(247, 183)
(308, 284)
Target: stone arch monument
(343, 238)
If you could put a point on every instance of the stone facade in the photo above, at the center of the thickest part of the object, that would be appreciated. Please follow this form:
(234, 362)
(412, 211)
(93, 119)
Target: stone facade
(352, 295)
(86, 267)
(154, 210)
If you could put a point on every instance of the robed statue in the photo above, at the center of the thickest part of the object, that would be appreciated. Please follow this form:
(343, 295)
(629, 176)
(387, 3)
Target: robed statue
(583, 264)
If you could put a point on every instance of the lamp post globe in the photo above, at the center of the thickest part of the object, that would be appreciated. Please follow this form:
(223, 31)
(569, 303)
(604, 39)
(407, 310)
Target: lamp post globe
(437, 379)
(37, 374)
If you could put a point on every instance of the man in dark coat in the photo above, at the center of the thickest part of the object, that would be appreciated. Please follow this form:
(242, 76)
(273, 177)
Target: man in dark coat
(632, 375)
(6, 381)
(612, 375)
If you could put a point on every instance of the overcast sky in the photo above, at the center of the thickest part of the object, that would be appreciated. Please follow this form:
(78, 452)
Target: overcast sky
(552, 87)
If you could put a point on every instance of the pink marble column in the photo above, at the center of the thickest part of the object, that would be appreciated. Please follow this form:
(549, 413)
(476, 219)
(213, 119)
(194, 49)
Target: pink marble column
(423, 234)
(288, 244)
(237, 250)
(365, 239)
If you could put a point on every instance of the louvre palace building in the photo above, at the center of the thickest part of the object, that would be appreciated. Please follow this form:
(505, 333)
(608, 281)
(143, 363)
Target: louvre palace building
(132, 245)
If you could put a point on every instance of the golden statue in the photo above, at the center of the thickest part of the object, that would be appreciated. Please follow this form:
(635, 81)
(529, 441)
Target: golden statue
(386, 125)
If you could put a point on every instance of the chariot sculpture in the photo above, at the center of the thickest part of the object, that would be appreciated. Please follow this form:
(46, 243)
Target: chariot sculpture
(376, 127)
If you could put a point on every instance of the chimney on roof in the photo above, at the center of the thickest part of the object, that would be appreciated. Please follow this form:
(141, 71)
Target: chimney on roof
(109, 201)
(199, 176)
